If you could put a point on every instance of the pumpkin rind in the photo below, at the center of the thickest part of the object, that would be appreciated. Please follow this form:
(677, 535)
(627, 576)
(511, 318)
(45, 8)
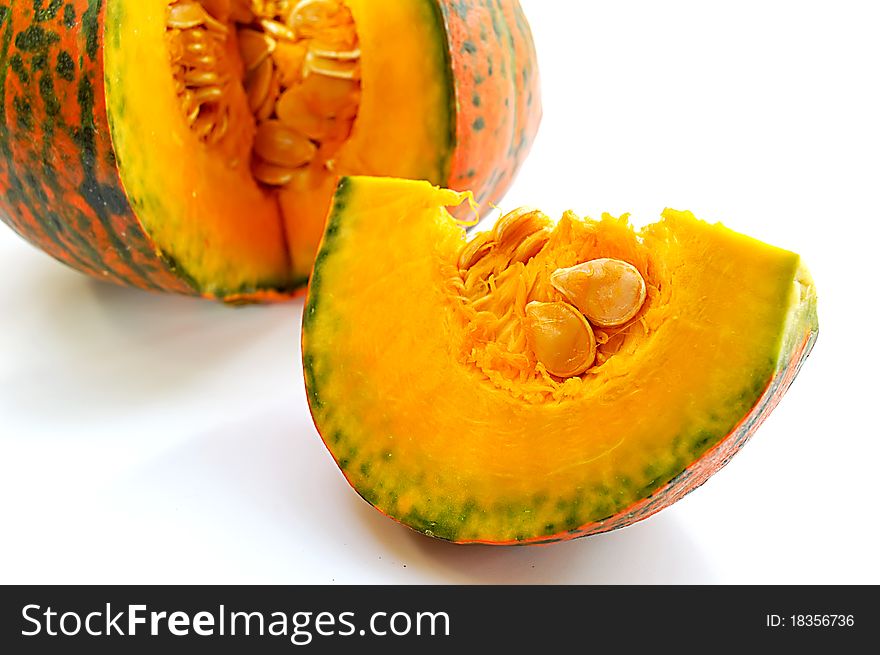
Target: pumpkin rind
(431, 443)
(497, 95)
(58, 174)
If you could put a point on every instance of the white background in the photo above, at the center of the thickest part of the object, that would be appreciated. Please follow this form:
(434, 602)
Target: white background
(160, 439)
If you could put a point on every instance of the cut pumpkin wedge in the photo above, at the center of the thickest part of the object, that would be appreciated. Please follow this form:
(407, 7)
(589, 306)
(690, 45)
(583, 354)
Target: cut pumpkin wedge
(425, 383)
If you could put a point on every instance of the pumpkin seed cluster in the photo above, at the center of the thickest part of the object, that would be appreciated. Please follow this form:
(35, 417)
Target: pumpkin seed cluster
(595, 298)
(298, 63)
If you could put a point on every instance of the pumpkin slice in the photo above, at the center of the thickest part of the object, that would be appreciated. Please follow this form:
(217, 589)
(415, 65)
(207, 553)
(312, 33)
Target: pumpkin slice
(195, 145)
(457, 386)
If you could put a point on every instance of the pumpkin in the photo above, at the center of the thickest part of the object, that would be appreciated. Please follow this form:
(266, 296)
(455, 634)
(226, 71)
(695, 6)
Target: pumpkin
(193, 146)
(542, 380)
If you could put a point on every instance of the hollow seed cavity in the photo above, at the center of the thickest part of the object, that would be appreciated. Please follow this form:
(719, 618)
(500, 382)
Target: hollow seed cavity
(300, 66)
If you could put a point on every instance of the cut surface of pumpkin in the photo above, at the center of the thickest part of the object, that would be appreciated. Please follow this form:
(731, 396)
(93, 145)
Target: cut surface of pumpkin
(274, 99)
(194, 146)
(464, 394)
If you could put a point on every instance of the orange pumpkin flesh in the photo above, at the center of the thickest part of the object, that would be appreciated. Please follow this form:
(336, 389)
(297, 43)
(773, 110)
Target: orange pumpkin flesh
(104, 167)
(423, 384)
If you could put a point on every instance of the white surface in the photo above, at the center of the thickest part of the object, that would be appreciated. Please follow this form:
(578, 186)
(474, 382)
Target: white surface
(159, 439)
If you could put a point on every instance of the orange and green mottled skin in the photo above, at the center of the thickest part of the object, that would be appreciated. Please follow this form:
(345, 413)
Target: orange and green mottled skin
(498, 96)
(59, 184)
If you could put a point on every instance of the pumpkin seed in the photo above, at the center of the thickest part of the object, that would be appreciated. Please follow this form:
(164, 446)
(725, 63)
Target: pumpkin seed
(307, 14)
(267, 109)
(205, 62)
(278, 30)
(196, 47)
(341, 55)
(609, 292)
(201, 78)
(531, 245)
(513, 227)
(186, 15)
(203, 125)
(474, 250)
(345, 70)
(193, 110)
(218, 9)
(215, 27)
(194, 35)
(220, 129)
(254, 47)
(560, 338)
(278, 144)
(257, 84)
(270, 174)
(293, 110)
(208, 94)
(328, 96)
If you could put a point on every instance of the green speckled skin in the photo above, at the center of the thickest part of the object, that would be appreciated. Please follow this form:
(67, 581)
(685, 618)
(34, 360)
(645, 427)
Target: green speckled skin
(497, 93)
(59, 185)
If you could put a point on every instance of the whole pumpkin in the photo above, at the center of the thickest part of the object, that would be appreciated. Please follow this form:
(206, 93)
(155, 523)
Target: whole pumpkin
(193, 146)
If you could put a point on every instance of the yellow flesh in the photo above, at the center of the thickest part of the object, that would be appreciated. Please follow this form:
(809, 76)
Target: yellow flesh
(399, 130)
(225, 241)
(412, 362)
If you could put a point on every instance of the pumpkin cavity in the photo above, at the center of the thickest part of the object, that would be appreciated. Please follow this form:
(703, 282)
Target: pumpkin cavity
(273, 82)
(547, 307)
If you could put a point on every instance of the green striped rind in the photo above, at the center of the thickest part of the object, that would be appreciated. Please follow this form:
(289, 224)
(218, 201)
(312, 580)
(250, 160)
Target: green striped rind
(59, 186)
(537, 518)
(329, 245)
(599, 505)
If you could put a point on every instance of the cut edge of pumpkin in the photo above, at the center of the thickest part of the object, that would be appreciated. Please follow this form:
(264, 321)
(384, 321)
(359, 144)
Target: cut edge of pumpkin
(794, 343)
(230, 236)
